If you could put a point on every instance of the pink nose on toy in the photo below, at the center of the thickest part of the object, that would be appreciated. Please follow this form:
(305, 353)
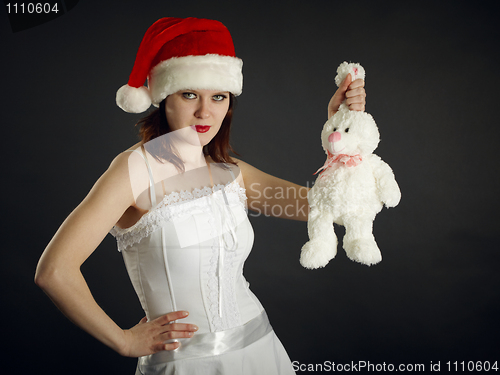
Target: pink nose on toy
(334, 137)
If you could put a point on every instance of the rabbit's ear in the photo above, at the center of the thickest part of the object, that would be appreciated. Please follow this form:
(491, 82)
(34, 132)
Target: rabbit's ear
(356, 70)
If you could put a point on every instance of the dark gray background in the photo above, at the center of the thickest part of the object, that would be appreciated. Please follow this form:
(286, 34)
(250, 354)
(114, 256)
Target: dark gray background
(432, 85)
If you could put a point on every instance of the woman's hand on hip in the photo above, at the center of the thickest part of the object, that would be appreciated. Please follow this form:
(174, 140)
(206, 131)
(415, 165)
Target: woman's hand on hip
(149, 337)
(354, 94)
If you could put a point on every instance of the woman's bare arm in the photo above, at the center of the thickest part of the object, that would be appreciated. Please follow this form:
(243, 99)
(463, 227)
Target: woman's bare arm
(58, 271)
(273, 196)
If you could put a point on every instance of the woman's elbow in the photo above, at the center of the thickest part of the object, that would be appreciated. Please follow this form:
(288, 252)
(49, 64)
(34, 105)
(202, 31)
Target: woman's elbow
(46, 277)
(43, 277)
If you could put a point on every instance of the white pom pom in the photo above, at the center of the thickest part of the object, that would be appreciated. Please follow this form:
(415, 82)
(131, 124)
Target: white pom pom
(356, 70)
(132, 99)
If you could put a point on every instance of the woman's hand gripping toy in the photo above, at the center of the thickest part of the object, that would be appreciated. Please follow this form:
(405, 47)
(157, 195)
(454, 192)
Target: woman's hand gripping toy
(351, 188)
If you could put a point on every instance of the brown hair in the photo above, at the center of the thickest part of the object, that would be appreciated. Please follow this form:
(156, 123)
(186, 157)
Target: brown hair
(155, 125)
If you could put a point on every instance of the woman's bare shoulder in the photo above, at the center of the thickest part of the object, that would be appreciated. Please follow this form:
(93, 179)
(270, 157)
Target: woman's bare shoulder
(124, 172)
(241, 164)
(247, 169)
(126, 159)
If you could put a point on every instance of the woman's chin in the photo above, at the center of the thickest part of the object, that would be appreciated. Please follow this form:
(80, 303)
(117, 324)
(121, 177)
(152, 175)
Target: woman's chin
(205, 138)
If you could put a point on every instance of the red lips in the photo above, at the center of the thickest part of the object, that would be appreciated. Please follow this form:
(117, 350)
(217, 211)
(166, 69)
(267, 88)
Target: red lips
(202, 128)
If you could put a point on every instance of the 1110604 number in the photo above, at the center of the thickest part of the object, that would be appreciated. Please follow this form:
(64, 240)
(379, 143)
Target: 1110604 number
(32, 8)
(476, 366)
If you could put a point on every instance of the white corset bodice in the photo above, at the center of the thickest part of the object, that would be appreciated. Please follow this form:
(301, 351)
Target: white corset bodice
(187, 253)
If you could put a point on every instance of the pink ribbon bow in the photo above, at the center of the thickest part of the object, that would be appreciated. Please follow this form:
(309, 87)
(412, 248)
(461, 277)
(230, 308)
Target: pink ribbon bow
(347, 160)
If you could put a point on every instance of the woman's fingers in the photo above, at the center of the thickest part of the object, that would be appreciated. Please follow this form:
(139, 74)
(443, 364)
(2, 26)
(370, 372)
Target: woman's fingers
(358, 91)
(356, 107)
(170, 335)
(169, 346)
(166, 346)
(171, 317)
(169, 330)
(356, 83)
(356, 96)
(151, 337)
(346, 83)
(177, 331)
(180, 327)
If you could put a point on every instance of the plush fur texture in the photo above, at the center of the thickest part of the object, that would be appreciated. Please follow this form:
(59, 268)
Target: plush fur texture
(132, 99)
(350, 191)
(211, 72)
(356, 71)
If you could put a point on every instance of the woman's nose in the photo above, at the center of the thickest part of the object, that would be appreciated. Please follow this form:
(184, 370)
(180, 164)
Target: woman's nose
(203, 110)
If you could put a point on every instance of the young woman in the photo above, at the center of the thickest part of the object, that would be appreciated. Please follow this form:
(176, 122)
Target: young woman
(176, 203)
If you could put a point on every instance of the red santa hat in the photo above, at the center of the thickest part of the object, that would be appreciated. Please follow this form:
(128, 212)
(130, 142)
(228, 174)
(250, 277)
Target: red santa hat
(177, 54)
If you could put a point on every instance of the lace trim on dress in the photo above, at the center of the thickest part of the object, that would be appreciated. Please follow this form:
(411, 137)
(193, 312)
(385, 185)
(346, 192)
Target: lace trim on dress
(170, 207)
(230, 307)
(222, 309)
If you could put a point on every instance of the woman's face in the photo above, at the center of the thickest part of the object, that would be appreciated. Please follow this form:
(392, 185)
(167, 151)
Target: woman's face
(201, 110)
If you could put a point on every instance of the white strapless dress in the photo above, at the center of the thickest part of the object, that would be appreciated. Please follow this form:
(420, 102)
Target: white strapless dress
(187, 253)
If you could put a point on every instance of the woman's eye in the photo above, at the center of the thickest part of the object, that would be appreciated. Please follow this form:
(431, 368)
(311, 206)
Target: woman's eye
(219, 97)
(189, 95)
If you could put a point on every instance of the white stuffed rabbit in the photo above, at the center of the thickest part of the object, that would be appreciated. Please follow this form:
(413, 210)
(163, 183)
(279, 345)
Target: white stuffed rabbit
(352, 187)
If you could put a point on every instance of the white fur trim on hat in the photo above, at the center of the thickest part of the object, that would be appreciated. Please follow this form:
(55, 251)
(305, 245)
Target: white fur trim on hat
(132, 99)
(209, 72)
